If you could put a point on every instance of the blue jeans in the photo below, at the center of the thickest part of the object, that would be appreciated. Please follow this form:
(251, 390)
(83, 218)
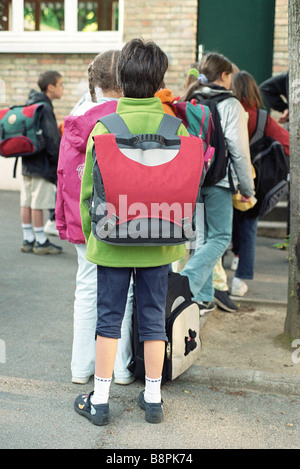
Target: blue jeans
(151, 284)
(244, 234)
(217, 236)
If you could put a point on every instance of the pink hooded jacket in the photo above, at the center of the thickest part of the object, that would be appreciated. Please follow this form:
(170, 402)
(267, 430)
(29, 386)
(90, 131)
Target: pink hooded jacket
(70, 169)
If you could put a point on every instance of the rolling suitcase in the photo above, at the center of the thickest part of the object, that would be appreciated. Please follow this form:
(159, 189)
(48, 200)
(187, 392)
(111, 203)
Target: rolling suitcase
(182, 327)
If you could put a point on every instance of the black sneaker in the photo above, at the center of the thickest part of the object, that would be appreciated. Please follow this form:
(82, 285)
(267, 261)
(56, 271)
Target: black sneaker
(153, 412)
(27, 246)
(206, 307)
(224, 301)
(46, 248)
(98, 414)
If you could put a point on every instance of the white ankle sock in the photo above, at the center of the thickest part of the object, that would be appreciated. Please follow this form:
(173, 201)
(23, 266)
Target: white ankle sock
(27, 232)
(152, 390)
(101, 390)
(40, 235)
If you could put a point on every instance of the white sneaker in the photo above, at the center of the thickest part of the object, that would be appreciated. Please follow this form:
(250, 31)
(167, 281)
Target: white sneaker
(234, 263)
(50, 228)
(82, 380)
(238, 287)
(124, 381)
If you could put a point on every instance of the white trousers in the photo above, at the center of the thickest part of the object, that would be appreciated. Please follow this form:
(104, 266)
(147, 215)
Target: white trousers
(85, 319)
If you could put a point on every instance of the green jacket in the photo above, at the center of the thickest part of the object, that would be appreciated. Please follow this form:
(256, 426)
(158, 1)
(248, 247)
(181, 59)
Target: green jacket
(141, 116)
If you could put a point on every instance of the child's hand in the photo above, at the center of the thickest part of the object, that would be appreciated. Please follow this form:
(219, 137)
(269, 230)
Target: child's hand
(244, 198)
(284, 117)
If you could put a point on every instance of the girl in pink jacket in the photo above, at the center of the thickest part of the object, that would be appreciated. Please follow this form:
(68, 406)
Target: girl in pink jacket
(77, 128)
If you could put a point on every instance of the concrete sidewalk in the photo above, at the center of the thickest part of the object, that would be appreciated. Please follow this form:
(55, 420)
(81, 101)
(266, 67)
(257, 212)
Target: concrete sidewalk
(242, 351)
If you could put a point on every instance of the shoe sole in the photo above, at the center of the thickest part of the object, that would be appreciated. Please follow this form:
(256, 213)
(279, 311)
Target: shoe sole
(26, 249)
(104, 420)
(44, 251)
(223, 306)
(153, 418)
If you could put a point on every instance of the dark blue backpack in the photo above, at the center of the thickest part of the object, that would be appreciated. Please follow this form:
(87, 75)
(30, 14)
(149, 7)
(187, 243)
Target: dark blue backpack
(271, 166)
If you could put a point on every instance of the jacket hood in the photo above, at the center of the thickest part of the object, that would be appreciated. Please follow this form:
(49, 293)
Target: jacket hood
(213, 90)
(166, 96)
(167, 99)
(38, 97)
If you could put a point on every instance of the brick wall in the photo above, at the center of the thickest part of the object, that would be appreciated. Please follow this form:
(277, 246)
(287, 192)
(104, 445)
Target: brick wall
(280, 56)
(173, 26)
(20, 72)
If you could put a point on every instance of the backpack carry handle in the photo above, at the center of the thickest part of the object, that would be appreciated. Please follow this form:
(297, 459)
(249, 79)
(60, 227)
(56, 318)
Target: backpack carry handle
(142, 139)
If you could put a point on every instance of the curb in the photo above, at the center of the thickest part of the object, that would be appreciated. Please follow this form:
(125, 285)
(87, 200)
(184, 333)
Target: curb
(252, 380)
(258, 301)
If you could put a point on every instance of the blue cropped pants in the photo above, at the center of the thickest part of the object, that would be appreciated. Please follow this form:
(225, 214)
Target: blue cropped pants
(217, 221)
(151, 284)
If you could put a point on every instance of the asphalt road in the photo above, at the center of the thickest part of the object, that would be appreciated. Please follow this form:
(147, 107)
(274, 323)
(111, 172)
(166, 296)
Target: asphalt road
(36, 393)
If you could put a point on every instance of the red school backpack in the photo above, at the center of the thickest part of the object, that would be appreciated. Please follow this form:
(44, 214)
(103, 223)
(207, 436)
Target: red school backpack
(145, 187)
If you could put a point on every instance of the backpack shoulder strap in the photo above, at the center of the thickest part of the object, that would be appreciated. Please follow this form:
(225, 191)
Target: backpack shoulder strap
(262, 117)
(169, 125)
(115, 124)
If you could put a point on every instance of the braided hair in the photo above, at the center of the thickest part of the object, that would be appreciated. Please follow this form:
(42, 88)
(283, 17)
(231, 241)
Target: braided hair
(102, 72)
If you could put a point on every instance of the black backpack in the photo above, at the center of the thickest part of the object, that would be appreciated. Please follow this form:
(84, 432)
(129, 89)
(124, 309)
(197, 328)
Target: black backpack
(217, 169)
(271, 166)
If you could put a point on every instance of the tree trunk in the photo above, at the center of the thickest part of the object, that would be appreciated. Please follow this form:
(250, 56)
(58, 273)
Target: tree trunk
(292, 321)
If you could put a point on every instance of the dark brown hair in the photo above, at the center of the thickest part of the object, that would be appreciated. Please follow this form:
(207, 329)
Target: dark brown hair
(48, 78)
(244, 87)
(102, 72)
(212, 65)
(141, 68)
